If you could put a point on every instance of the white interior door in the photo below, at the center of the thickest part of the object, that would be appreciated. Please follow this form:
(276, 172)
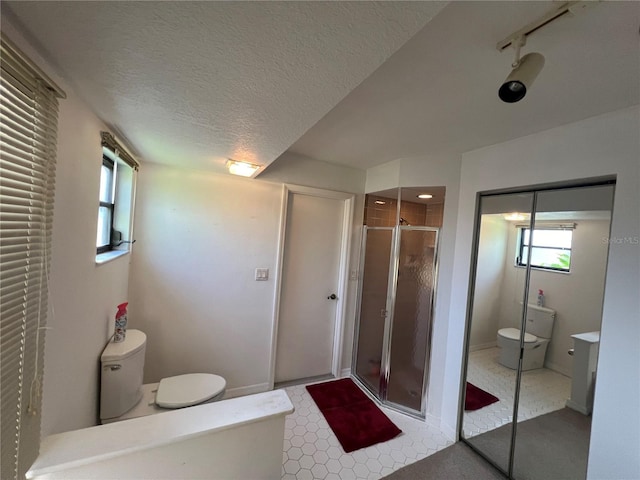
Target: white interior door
(310, 276)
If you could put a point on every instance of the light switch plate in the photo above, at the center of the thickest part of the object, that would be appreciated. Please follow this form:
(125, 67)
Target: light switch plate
(262, 274)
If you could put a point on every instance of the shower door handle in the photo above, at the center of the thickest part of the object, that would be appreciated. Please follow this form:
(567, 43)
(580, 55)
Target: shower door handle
(333, 296)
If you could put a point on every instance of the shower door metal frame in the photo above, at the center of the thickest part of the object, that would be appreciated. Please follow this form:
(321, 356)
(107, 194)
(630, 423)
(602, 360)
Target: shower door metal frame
(356, 335)
(392, 287)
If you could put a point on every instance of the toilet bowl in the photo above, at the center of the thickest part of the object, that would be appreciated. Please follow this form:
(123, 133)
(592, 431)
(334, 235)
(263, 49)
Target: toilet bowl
(535, 349)
(123, 396)
(539, 326)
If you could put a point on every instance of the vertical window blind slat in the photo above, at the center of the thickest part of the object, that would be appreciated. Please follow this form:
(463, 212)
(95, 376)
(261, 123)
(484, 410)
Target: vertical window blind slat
(28, 133)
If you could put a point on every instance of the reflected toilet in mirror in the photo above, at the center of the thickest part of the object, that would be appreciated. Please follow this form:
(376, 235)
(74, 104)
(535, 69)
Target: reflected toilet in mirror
(533, 328)
(539, 327)
(568, 251)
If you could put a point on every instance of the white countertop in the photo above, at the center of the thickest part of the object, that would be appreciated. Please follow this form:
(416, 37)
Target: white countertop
(80, 447)
(591, 337)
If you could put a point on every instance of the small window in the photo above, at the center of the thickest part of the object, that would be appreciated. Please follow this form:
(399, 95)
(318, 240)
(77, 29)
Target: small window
(107, 205)
(550, 248)
(118, 174)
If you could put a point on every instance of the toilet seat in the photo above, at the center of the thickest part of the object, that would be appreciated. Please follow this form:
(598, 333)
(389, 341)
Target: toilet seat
(514, 334)
(188, 390)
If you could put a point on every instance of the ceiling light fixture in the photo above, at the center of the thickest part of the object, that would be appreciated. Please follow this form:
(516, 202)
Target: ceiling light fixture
(515, 217)
(526, 69)
(244, 169)
(379, 202)
(425, 195)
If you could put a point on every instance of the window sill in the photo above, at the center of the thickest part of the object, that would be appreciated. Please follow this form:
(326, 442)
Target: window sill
(107, 257)
(542, 269)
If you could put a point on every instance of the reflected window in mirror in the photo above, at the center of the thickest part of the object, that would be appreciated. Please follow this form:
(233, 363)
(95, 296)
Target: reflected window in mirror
(550, 248)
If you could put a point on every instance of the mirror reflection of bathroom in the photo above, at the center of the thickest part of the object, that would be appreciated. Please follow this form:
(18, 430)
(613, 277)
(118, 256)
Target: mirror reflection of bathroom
(497, 306)
(398, 281)
(569, 249)
(550, 256)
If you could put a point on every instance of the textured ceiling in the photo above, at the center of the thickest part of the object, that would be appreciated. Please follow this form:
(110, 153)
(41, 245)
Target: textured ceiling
(438, 94)
(192, 83)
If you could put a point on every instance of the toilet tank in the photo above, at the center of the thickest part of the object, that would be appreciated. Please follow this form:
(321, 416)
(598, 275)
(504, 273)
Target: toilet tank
(540, 321)
(122, 366)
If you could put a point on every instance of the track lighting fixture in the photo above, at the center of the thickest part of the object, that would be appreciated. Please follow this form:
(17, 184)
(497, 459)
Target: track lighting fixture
(525, 70)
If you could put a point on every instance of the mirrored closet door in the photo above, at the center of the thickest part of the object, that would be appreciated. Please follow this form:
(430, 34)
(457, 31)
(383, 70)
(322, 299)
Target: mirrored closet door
(533, 328)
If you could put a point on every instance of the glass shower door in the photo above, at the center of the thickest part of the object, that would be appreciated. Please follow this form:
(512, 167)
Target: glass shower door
(377, 248)
(411, 320)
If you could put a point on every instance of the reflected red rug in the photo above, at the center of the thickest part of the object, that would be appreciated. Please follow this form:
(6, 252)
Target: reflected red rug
(353, 417)
(477, 398)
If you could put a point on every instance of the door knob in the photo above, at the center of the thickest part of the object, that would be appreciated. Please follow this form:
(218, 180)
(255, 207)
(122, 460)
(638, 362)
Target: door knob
(332, 297)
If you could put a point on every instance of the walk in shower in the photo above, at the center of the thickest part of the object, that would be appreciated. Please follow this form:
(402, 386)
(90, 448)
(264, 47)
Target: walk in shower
(397, 286)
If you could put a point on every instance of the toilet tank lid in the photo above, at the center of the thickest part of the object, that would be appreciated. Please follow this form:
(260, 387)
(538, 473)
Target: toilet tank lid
(549, 311)
(133, 342)
(514, 334)
(189, 389)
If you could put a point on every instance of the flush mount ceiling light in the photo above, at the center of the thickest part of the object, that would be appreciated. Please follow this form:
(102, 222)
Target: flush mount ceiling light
(526, 69)
(425, 195)
(243, 169)
(379, 202)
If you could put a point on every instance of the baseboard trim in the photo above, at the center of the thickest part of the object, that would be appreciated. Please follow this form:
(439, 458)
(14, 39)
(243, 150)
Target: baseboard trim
(557, 368)
(482, 346)
(345, 373)
(248, 390)
(448, 432)
(577, 407)
(432, 420)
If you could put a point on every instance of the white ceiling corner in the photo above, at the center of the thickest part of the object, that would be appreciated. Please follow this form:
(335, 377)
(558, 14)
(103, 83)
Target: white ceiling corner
(437, 95)
(193, 83)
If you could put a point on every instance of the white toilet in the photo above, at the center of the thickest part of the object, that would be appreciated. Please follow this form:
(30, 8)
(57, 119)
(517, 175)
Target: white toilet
(539, 327)
(123, 396)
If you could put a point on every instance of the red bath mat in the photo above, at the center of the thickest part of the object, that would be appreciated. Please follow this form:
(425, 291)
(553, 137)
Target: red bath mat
(477, 398)
(353, 417)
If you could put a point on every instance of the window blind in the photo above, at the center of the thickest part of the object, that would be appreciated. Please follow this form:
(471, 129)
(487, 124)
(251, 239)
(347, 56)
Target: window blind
(111, 144)
(28, 132)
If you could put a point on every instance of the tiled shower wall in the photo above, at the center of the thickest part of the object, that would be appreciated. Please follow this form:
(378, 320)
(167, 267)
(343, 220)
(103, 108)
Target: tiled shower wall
(416, 214)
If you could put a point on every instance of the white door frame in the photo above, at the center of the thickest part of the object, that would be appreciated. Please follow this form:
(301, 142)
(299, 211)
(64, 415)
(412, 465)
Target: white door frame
(343, 272)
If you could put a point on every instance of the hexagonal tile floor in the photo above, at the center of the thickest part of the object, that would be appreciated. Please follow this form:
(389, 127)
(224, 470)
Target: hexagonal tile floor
(312, 451)
(541, 391)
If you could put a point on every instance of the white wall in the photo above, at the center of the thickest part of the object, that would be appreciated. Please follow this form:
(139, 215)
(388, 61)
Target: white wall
(383, 177)
(492, 253)
(200, 236)
(301, 170)
(240, 438)
(599, 146)
(83, 295)
(576, 296)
